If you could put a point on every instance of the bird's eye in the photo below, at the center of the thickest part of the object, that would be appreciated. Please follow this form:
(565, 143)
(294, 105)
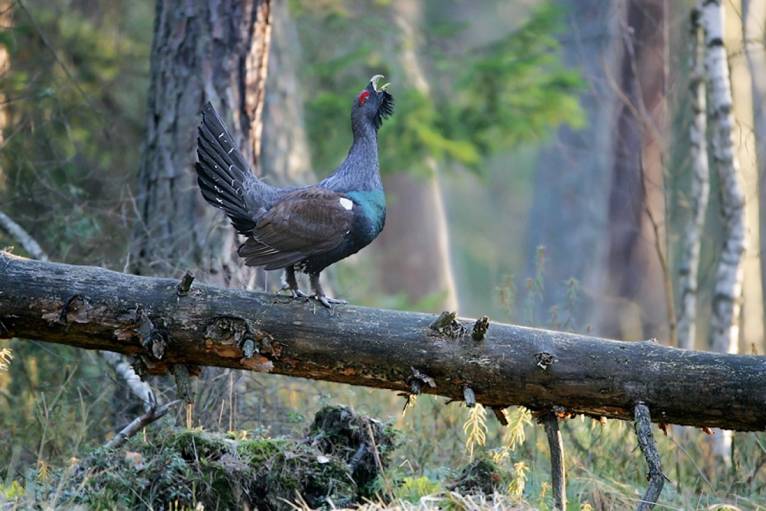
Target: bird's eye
(363, 96)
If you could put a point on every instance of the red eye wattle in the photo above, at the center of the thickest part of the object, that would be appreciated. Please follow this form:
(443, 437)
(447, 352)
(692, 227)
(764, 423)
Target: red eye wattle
(363, 96)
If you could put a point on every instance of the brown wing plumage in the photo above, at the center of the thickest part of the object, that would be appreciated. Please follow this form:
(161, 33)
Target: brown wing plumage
(306, 222)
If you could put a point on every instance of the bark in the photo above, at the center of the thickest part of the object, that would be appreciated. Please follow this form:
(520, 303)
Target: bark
(285, 158)
(414, 245)
(724, 324)
(754, 13)
(95, 308)
(637, 285)
(216, 51)
(570, 207)
(745, 148)
(728, 283)
(699, 190)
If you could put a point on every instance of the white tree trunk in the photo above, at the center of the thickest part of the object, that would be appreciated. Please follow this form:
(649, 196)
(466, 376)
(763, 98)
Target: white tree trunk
(724, 328)
(745, 148)
(699, 189)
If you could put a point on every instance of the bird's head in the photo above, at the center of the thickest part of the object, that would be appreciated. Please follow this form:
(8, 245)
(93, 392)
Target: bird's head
(372, 104)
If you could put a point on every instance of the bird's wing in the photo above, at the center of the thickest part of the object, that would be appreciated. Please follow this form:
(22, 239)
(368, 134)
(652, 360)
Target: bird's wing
(225, 178)
(305, 222)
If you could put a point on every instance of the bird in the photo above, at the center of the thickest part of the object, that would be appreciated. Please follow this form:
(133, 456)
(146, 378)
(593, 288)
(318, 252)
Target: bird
(306, 228)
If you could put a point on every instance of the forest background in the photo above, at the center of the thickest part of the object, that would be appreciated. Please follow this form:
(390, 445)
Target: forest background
(539, 168)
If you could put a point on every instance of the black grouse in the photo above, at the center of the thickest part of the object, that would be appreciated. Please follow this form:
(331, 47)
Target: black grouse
(306, 228)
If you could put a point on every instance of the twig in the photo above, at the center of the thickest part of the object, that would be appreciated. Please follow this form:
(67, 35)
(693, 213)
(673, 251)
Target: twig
(469, 396)
(643, 424)
(139, 423)
(183, 287)
(500, 415)
(558, 472)
(139, 388)
(27, 242)
(480, 328)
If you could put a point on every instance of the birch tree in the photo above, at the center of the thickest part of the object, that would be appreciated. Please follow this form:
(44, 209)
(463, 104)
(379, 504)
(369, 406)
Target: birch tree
(724, 324)
(745, 148)
(699, 189)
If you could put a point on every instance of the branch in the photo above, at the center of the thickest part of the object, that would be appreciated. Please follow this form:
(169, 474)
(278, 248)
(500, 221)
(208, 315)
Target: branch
(95, 308)
(643, 424)
(152, 414)
(558, 472)
(139, 388)
(17, 232)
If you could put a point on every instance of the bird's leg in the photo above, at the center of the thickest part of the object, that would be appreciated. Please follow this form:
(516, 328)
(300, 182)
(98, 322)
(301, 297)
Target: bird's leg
(319, 295)
(291, 283)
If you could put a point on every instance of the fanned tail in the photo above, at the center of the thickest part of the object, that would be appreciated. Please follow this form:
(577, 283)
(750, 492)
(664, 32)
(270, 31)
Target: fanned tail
(223, 175)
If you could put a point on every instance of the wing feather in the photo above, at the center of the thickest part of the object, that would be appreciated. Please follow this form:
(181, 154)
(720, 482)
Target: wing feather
(306, 222)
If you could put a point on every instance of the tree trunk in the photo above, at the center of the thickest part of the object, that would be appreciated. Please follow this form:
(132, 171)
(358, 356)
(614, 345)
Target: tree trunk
(414, 246)
(285, 158)
(729, 273)
(754, 13)
(505, 365)
(745, 148)
(699, 190)
(570, 205)
(202, 51)
(637, 283)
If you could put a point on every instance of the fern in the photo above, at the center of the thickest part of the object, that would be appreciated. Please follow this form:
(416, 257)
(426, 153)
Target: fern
(5, 358)
(515, 434)
(475, 429)
(519, 481)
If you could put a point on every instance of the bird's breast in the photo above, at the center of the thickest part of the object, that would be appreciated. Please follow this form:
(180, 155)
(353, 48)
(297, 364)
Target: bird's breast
(372, 206)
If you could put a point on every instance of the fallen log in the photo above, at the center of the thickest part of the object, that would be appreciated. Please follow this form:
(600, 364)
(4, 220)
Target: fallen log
(94, 308)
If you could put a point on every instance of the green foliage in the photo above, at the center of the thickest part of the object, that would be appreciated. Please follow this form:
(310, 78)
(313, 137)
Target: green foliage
(488, 100)
(75, 93)
(516, 89)
(187, 468)
(412, 489)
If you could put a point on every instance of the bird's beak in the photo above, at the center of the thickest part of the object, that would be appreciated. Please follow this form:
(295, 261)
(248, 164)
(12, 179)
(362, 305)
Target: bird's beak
(374, 82)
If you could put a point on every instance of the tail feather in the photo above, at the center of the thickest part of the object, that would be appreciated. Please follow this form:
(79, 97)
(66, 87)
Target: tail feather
(213, 125)
(224, 177)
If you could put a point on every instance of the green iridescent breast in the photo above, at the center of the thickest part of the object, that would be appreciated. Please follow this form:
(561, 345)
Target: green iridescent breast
(373, 204)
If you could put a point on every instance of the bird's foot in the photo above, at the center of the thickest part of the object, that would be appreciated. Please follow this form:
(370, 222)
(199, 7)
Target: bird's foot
(327, 301)
(295, 293)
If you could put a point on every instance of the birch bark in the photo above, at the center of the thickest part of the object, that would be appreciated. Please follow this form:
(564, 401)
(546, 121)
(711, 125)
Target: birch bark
(698, 191)
(728, 283)
(724, 324)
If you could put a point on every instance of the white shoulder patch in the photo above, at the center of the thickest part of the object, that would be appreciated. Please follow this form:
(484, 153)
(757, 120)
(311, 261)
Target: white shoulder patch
(346, 203)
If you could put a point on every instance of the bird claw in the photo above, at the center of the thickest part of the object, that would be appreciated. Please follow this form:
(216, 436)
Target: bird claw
(327, 301)
(295, 293)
